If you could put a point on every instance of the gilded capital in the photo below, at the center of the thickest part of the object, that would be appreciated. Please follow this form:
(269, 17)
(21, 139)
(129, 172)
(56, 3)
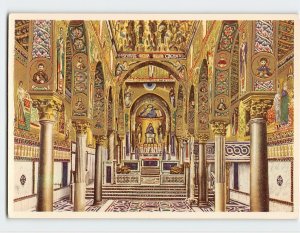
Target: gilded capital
(100, 139)
(81, 126)
(219, 127)
(203, 137)
(258, 107)
(47, 108)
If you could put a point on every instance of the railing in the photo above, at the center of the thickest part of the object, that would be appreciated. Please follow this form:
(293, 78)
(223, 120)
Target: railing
(173, 179)
(128, 179)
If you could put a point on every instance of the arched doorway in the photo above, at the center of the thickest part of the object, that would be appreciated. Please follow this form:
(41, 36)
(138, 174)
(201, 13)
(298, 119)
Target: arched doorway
(150, 124)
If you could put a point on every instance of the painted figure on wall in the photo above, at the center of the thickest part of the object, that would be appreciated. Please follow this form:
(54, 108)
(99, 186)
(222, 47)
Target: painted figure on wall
(120, 68)
(60, 61)
(24, 107)
(277, 107)
(139, 132)
(284, 104)
(150, 135)
(243, 63)
(160, 133)
(80, 82)
(40, 77)
(127, 96)
(263, 71)
(222, 106)
(79, 104)
(172, 96)
(80, 65)
(150, 112)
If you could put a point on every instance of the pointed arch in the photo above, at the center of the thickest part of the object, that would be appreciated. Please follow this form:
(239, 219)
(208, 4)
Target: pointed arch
(69, 54)
(121, 113)
(203, 101)
(110, 113)
(180, 110)
(221, 98)
(99, 100)
(191, 112)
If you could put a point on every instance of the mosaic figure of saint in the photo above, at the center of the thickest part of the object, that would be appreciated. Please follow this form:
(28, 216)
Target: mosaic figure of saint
(284, 106)
(150, 135)
(160, 133)
(79, 104)
(221, 106)
(150, 112)
(22, 94)
(127, 97)
(172, 96)
(139, 133)
(40, 77)
(277, 107)
(80, 65)
(263, 71)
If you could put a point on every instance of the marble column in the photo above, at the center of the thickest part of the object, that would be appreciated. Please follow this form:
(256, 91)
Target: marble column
(47, 111)
(259, 184)
(98, 169)
(228, 164)
(202, 171)
(180, 147)
(192, 169)
(219, 129)
(80, 163)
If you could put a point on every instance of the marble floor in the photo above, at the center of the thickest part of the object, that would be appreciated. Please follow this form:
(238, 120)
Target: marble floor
(148, 206)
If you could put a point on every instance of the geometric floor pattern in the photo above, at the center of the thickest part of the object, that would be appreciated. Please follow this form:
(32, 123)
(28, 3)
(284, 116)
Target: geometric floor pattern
(66, 205)
(232, 206)
(147, 206)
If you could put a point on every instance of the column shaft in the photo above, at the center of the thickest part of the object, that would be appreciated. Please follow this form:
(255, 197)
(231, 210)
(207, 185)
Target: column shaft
(259, 186)
(220, 185)
(80, 185)
(45, 178)
(98, 176)
(202, 178)
(192, 177)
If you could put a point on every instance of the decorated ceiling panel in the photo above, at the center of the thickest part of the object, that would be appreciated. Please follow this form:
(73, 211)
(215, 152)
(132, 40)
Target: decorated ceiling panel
(285, 38)
(152, 38)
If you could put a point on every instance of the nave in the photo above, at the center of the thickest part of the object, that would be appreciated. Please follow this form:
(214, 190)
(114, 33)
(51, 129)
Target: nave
(153, 115)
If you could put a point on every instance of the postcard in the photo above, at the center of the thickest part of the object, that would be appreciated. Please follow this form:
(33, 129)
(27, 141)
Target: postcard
(153, 116)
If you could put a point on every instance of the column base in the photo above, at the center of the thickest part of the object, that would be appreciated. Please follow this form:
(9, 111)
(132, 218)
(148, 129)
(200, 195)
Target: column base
(79, 197)
(97, 202)
(220, 197)
(202, 204)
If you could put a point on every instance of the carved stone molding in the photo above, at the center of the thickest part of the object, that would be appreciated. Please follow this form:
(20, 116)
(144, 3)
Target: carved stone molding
(81, 126)
(219, 127)
(47, 108)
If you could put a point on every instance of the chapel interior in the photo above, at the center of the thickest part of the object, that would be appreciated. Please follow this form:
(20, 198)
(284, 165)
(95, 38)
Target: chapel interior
(153, 115)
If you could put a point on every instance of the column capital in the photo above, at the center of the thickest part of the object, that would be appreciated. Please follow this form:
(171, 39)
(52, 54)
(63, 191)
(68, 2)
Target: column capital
(203, 137)
(219, 127)
(258, 107)
(81, 126)
(258, 104)
(47, 108)
(100, 139)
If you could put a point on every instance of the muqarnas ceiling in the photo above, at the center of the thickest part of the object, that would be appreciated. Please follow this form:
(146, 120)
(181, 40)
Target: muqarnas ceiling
(152, 38)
